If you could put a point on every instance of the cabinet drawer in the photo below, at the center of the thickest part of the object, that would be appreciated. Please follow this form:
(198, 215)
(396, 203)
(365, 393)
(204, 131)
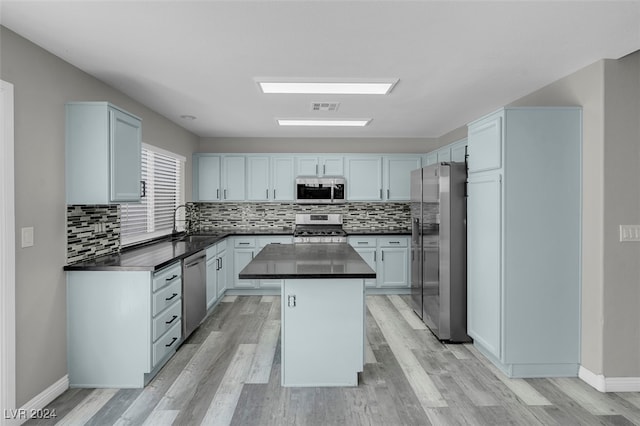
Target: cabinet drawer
(244, 242)
(263, 241)
(166, 276)
(167, 343)
(362, 241)
(393, 242)
(167, 319)
(166, 297)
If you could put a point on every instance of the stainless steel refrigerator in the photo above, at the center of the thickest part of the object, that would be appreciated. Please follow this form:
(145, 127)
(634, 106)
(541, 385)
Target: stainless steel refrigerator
(438, 249)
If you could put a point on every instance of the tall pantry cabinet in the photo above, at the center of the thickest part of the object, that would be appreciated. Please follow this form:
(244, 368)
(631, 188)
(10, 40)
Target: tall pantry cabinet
(523, 239)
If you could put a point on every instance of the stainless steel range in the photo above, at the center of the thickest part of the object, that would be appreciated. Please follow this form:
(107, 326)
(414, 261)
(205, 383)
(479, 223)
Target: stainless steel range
(319, 228)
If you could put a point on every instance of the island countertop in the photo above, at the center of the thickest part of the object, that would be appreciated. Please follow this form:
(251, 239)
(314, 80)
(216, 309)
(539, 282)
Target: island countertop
(310, 260)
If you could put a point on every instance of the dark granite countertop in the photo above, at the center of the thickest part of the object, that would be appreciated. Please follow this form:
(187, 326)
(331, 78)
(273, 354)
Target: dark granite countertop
(319, 260)
(149, 257)
(157, 255)
(374, 232)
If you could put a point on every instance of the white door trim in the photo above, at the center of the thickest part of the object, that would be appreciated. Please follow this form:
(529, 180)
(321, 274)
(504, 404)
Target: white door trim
(7, 257)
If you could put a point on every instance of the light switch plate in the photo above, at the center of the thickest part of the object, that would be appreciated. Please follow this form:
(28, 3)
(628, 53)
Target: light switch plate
(27, 237)
(629, 232)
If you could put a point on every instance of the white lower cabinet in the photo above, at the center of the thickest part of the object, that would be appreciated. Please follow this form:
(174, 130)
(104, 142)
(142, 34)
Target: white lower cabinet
(122, 326)
(320, 349)
(244, 250)
(388, 256)
(217, 272)
(393, 264)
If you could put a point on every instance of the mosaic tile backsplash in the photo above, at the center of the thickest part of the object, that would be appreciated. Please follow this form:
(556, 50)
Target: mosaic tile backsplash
(227, 216)
(92, 231)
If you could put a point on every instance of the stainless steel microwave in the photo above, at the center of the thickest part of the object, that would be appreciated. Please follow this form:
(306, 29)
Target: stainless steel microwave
(320, 190)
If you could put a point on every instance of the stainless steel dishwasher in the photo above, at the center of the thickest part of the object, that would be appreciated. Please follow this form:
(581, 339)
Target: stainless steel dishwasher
(194, 289)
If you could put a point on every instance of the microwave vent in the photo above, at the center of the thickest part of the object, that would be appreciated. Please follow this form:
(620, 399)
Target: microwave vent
(324, 106)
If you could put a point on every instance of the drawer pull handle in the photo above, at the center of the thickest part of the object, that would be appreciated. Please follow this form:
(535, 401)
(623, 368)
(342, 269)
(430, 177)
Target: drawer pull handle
(244, 244)
(169, 298)
(362, 242)
(172, 342)
(394, 242)
(172, 320)
(173, 277)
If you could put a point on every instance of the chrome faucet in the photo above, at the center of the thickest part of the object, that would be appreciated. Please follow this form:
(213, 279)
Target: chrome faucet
(175, 211)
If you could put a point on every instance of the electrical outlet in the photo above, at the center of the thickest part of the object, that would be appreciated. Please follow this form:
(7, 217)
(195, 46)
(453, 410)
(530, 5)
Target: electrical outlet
(27, 237)
(629, 232)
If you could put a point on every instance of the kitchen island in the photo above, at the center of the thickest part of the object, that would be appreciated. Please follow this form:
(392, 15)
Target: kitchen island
(323, 310)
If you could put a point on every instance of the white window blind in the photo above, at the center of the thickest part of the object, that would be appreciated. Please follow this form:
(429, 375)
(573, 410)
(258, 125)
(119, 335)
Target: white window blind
(162, 172)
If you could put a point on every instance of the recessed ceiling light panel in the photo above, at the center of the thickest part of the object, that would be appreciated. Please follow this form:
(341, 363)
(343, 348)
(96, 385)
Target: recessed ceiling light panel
(381, 87)
(328, 123)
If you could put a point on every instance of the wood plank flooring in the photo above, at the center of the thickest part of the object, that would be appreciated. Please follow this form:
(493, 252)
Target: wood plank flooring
(228, 373)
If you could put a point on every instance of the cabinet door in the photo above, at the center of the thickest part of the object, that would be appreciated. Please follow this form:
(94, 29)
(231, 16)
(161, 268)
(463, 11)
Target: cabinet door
(393, 267)
(364, 179)
(485, 144)
(241, 258)
(223, 272)
(458, 151)
(484, 206)
(307, 166)
(282, 178)
(206, 178)
(431, 158)
(125, 140)
(369, 255)
(322, 332)
(257, 178)
(444, 155)
(331, 166)
(398, 177)
(212, 275)
(233, 169)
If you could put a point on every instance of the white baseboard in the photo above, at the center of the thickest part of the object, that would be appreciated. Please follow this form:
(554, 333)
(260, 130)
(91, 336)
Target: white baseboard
(45, 397)
(609, 384)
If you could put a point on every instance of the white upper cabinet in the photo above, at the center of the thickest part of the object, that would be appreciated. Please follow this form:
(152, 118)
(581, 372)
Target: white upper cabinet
(320, 166)
(219, 177)
(397, 176)
(485, 153)
(206, 177)
(364, 178)
(103, 154)
(459, 151)
(233, 178)
(269, 178)
(444, 155)
(282, 178)
(258, 178)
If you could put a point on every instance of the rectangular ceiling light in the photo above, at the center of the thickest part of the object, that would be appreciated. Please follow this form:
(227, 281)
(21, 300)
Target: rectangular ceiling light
(306, 122)
(328, 88)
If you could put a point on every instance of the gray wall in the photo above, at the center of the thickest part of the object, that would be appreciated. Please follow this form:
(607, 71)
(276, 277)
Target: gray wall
(621, 303)
(609, 92)
(42, 84)
(346, 145)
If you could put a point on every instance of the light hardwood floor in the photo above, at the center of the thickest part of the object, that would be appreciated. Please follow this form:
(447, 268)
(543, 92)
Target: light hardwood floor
(228, 372)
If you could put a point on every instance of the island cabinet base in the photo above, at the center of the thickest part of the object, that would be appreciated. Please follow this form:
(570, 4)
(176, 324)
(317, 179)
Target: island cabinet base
(322, 332)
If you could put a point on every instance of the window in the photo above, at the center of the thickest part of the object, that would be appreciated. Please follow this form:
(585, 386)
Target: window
(163, 177)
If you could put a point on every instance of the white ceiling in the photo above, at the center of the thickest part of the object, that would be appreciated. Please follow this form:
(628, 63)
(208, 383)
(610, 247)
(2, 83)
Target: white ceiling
(456, 60)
